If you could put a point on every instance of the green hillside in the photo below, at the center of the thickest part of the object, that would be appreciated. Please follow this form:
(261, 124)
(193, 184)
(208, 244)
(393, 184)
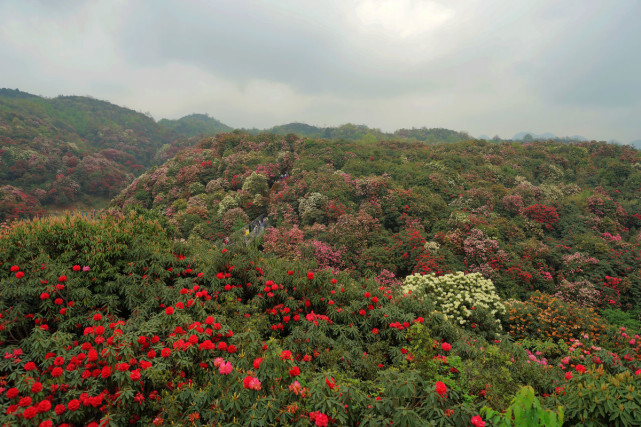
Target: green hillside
(196, 125)
(72, 151)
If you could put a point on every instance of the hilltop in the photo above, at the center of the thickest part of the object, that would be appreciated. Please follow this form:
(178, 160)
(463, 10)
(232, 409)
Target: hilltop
(196, 125)
(72, 151)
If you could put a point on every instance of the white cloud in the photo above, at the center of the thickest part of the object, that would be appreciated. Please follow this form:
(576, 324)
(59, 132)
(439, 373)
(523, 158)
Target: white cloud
(402, 18)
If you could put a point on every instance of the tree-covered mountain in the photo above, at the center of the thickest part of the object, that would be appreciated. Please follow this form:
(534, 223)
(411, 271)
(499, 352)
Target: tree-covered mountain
(72, 150)
(547, 136)
(196, 125)
(352, 132)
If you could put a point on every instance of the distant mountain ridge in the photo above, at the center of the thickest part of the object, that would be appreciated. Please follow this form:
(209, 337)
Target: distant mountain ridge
(521, 136)
(352, 132)
(196, 125)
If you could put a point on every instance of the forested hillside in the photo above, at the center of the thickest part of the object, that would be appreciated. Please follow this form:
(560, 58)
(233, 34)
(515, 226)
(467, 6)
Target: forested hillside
(196, 125)
(352, 132)
(279, 280)
(72, 151)
(528, 216)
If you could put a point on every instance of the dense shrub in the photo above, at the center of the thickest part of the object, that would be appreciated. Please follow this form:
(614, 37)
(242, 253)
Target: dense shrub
(469, 299)
(546, 317)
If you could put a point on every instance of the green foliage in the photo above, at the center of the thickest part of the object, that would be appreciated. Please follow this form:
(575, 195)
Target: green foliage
(256, 184)
(195, 125)
(629, 320)
(525, 410)
(596, 399)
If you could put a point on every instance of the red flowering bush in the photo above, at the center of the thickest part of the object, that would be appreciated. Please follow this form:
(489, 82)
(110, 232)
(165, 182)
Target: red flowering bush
(544, 215)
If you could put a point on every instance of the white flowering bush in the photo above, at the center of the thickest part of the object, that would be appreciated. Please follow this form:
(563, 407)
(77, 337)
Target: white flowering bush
(460, 297)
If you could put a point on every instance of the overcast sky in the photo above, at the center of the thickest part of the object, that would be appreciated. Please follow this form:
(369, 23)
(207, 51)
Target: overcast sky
(482, 66)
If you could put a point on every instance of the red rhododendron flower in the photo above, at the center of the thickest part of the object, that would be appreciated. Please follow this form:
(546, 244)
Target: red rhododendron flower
(29, 366)
(14, 268)
(257, 362)
(19, 275)
(60, 409)
(44, 406)
(477, 421)
(375, 331)
(294, 372)
(580, 369)
(441, 388)
(30, 412)
(56, 372)
(12, 392)
(106, 371)
(24, 402)
(62, 278)
(135, 375)
(73, 405)
(446, 346)
(568, 375)
(310, 275)
(44, 296)
(169, 310)
(329, 383)
(319, 419)
(286, 355)
(165, 352)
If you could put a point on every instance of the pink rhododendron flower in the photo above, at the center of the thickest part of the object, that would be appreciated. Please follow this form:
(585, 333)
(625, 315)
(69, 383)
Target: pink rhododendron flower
(251, 383)
(225, 368)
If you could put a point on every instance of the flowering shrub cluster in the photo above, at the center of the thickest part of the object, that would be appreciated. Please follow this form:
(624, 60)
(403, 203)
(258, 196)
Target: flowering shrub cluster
(544, 316)
(545, 215)
(458, 295)
(131, 317)
(216, 335)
